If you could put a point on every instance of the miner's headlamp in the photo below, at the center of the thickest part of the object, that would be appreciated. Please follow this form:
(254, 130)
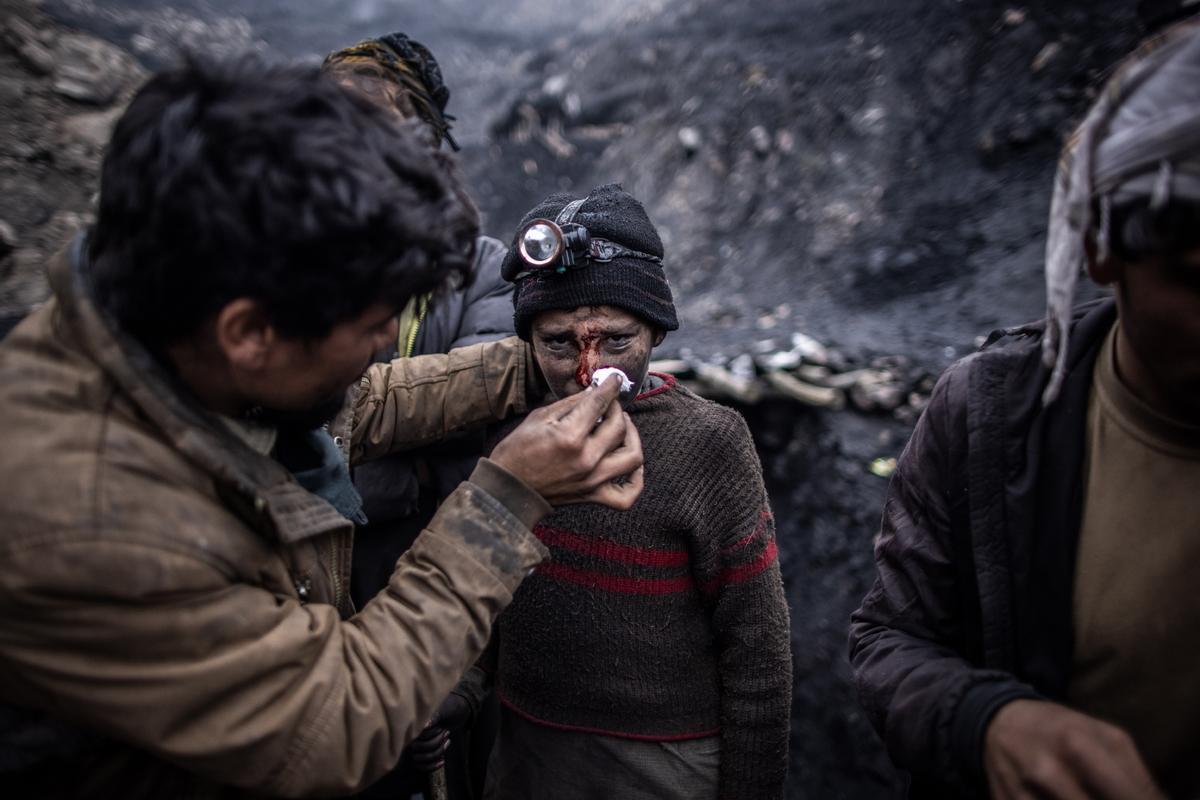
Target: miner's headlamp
(561, 244)
(545, 243)
(541, 242)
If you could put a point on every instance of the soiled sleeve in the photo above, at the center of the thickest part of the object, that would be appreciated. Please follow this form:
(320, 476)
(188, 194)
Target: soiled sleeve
(411, 402)
(183, 657)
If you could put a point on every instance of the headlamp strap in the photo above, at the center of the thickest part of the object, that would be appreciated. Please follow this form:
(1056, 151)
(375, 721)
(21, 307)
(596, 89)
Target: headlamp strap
(575, 237)
(603, 250)
(567, 215)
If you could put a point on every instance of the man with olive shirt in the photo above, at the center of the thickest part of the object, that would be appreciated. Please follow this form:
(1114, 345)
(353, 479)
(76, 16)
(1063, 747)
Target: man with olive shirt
(1031, 632)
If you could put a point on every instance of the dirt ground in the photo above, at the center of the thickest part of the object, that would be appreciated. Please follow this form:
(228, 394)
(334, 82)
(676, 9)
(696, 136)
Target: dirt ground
(875, 175)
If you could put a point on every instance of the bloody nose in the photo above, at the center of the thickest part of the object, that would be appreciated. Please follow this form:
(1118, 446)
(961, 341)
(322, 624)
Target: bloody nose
(583, 376)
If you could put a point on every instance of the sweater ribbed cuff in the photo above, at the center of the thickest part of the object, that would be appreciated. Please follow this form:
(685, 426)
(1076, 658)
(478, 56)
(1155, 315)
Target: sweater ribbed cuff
(524, 503)
(974, 712)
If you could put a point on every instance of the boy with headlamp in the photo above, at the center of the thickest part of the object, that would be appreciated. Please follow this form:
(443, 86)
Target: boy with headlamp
(650, 656)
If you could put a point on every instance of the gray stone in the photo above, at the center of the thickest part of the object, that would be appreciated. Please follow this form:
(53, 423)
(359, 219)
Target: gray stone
(19, 149)
(690, 139)
(24, 40)
(65, 224)
(809, 349)
(18, 31)
(1045, 56)
(784, 359)
(8, 239)
(785, 141)
(24, 282)
(870, 121)
(37, 58)
(760, 140)
(91, 70)
(1013, 17)
(878, 393)
(93, 128)
(556, 85)
(12, 91)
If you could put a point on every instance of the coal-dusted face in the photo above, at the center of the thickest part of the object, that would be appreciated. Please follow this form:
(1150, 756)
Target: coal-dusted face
(570, 345)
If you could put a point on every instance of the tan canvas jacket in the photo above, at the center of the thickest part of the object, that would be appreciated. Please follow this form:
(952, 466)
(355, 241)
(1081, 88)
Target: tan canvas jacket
(179, 597)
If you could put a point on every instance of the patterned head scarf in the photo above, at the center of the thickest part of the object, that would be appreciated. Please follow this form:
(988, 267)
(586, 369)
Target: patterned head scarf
(408, 69)
(1141, 140)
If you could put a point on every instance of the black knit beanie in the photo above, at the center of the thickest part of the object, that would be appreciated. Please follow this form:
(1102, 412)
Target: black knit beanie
(634, 284)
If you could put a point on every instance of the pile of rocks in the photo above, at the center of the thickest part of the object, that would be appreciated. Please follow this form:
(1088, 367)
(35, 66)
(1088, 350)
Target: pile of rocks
(61, 93)
(812, 374)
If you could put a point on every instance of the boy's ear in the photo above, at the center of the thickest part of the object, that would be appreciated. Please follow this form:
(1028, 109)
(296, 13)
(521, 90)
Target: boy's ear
(659, 335)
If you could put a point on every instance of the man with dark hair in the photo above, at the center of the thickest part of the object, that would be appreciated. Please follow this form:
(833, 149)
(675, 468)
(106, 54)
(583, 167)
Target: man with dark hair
(650, 657)
(1033, 627)
(174, 615)
(401, 492)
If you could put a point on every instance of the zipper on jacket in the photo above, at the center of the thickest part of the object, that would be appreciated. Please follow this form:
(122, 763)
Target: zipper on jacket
(410, 320)
(335, 568)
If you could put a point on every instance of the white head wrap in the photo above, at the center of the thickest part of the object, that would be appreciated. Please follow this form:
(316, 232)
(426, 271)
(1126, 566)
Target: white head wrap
(1141, 139)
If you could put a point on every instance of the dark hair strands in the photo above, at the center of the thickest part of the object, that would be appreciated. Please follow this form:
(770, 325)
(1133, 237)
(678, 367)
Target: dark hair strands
(242, 178)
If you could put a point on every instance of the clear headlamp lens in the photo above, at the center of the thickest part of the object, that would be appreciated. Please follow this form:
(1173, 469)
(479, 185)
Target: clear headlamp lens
(541, 242)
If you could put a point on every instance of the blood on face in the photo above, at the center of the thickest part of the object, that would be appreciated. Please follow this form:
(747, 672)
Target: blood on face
(571, 344)
(589, 358)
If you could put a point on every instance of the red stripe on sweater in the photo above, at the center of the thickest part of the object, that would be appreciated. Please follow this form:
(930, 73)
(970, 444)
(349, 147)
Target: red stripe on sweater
(642, 737)
(763, 518)
(745, 572)
(642, 556)
(615, 583)
(668, 382)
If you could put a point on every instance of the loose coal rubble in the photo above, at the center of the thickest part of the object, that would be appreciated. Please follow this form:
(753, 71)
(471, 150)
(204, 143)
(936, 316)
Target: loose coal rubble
(62, 92)
(812, 375)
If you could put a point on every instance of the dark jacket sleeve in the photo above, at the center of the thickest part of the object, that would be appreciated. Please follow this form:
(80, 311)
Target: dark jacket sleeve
(488, 310)
(480, 313)
(921, 691)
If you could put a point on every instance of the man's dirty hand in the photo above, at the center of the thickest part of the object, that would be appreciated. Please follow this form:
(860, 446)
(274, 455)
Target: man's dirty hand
(1035, 749)
(428, 751)
(561, 452)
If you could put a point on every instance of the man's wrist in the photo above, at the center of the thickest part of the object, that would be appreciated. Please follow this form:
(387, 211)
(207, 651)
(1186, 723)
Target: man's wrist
(972, 717)
(522, 502)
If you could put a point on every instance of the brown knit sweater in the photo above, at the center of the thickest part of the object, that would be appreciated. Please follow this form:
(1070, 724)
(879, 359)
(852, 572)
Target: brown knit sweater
(667, 621)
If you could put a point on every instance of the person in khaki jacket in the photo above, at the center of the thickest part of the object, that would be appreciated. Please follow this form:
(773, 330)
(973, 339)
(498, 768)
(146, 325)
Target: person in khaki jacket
(174, 620)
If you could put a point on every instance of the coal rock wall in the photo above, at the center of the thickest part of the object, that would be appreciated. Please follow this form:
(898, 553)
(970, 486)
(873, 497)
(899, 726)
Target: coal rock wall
(872, 174)
(827, 506)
